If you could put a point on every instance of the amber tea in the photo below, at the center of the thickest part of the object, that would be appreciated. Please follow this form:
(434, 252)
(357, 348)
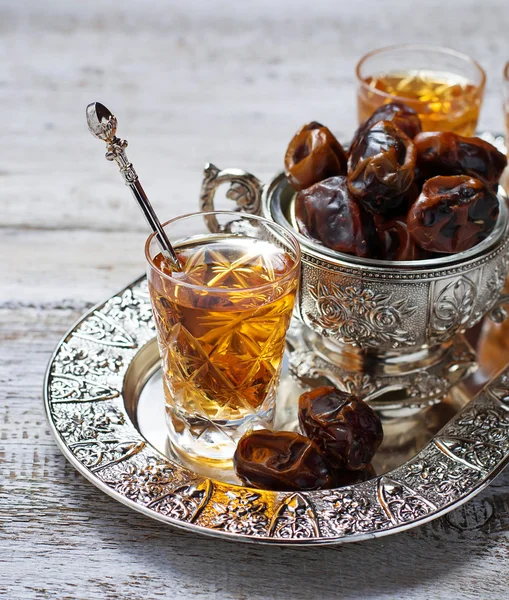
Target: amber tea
(445, 101)
(221, 329)
(443, 86)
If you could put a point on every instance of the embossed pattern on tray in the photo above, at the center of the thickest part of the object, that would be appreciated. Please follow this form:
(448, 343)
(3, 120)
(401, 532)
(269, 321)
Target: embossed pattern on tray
(86, 412)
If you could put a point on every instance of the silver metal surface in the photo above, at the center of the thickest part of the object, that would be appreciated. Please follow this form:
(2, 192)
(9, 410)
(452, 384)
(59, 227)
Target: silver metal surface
(391, 385)
(404, 435)
(91, 391)
(382, 314)
(103, 125)
(244, 189)
(387, 306)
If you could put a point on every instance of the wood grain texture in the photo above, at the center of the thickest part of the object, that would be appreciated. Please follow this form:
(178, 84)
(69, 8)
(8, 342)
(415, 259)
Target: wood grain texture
(190, 83)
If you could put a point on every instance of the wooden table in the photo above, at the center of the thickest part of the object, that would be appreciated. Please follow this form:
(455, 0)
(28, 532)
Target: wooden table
(189, 82)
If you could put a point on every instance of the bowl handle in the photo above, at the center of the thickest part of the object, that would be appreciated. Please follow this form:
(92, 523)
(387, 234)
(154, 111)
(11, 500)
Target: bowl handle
(245, 190)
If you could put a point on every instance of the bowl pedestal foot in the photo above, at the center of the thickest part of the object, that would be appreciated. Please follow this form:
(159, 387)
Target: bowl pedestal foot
(397, 383)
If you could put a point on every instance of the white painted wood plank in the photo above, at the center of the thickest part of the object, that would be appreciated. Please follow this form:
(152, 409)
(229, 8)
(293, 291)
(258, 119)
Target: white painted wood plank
(67, 268)
(217, 85)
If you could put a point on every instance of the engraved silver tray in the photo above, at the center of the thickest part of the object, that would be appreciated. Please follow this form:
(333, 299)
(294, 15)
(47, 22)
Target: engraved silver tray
(95, 390)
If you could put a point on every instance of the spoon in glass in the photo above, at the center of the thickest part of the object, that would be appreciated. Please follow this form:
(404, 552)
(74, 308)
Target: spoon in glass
(103, 125)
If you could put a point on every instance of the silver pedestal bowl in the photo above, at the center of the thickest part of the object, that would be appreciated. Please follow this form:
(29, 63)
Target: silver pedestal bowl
(390, 331)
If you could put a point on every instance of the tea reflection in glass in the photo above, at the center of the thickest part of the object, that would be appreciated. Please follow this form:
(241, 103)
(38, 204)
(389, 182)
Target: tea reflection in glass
(221, 327)
(444, 87)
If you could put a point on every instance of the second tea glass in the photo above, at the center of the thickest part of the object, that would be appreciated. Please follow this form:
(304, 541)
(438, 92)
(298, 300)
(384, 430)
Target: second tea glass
(444, 87)
(221, 327)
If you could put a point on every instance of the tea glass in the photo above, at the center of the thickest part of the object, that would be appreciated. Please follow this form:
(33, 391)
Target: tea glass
(443, 86)
(221, 327)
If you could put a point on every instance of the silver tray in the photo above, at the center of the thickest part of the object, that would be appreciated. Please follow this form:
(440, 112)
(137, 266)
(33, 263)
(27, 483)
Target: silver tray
(105, 409)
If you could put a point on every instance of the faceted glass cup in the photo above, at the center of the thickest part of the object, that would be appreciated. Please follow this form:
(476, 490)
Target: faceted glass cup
(221, 327)
(443, 86)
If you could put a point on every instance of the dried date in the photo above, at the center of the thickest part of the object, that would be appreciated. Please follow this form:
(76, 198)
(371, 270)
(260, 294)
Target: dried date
(396, 241)
(347, 431)
(452, 214)
(281, 461)
(314, 154)
(402, 116)
(328, 212)
(381, 167)
(447, 153)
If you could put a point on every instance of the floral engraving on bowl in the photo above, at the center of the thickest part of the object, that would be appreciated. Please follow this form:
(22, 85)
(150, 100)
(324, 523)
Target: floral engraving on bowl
(490, 425)
(185, 502)
(103, 330)
(400, 502)
(97, 455)
(67, 388)
(346, 512)
(294, 518)
(476, 454)
(142, 484)
(479, 437)
(244, 513)
(131, 307)
(427, 385)
(87, 422)
(84, 362)
(445, 482)
(361, 384)
(452, 308)
(359, 316)
(496, 282)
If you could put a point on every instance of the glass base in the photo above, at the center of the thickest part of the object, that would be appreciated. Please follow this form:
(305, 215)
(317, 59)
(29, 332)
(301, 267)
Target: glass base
(194, 438)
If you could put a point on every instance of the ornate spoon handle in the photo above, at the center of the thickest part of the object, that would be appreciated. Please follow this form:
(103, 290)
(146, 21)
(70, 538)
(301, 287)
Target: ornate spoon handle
(103, 125)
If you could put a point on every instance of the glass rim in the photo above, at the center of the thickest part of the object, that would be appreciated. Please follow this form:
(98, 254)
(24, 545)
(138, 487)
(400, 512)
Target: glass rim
(221, 290)
(418, 46)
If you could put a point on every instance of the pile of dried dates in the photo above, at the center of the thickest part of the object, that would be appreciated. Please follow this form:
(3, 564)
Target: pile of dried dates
(399, 193)
(342, 434)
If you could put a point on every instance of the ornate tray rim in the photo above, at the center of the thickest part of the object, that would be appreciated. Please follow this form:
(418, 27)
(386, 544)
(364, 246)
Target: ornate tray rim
(88, 368)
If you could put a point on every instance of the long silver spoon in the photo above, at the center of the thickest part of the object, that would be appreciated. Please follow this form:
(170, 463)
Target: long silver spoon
(103, 125)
